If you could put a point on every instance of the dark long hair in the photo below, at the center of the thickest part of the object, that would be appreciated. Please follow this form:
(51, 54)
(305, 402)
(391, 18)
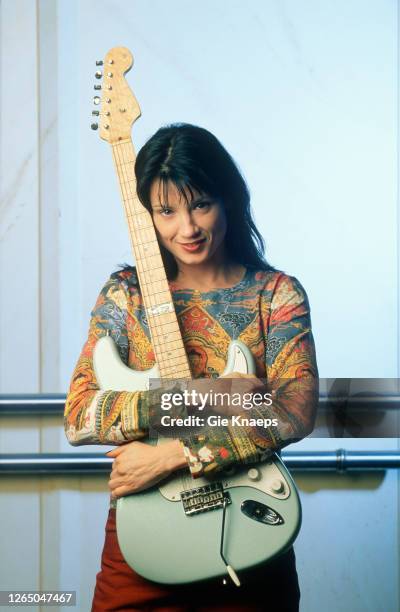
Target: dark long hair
(193, 159)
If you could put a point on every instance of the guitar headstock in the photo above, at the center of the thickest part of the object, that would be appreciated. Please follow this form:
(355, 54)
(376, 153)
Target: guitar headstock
(118, 108)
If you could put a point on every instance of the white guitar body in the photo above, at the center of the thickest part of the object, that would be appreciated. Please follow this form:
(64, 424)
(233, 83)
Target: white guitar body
(168, 544)
(112, 373)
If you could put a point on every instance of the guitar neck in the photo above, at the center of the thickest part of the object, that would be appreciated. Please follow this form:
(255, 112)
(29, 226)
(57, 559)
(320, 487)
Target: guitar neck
(157, 299)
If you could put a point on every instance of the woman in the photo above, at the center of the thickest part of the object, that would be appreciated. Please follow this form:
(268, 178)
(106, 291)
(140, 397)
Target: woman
(222, 289)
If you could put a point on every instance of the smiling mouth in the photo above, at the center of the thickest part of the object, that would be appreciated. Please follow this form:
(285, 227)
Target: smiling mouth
(189, 243)
(192, 246)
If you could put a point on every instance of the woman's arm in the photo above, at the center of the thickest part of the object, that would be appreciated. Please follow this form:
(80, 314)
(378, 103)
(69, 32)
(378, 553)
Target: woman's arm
(292, 376)
(95, 416)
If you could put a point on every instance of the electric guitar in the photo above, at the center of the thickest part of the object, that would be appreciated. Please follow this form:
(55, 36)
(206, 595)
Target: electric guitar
(183, 530)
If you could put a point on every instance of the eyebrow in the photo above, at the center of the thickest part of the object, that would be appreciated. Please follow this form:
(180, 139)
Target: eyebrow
(195, 201)
(200, 199)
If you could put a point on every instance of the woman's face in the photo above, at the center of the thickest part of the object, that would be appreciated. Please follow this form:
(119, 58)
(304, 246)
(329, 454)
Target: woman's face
(193, 232)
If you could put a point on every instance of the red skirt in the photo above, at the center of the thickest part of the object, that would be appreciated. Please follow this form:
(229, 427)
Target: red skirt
(271, 586)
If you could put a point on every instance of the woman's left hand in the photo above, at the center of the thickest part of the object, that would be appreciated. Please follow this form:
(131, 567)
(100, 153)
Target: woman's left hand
(138, 466)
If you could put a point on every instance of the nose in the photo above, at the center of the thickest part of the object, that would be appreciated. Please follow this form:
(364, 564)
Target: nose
(187, 225)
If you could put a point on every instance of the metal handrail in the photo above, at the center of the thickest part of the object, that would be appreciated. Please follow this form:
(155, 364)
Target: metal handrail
(45, 404)
(340, 460)
(32, 404)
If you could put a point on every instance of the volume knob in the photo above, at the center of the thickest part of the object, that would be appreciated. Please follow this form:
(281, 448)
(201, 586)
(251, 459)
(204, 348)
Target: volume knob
(278, 486)
(254, 474)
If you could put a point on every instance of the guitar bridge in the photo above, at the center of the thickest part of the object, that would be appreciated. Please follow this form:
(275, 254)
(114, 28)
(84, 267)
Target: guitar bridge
(202, 499)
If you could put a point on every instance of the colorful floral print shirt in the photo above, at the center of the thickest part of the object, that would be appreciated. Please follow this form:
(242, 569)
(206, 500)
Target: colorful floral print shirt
(267, 310)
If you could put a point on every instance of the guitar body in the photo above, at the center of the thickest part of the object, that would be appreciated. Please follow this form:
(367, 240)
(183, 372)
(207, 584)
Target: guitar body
(164, 544)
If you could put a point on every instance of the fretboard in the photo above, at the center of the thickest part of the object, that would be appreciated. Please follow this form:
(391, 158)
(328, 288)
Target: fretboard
(157, 299)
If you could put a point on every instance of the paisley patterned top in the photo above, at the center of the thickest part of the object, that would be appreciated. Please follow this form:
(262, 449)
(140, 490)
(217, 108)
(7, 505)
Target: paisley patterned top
(267, 310)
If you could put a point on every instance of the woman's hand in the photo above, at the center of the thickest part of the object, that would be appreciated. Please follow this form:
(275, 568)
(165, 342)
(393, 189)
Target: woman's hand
(138, 466)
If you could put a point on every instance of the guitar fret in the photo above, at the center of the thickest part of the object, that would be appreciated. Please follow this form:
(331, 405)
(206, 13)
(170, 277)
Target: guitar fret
(168, 352)
(158, 288)
(170, 367)
(136, 201)
(162, 300)
(158, 268)
(150, 263)
(128, 180)
(125, 162)
(151, 258)
(150, 243)
(157, 326)
(166, 342)
(163, 325)
(157, 284)
(146, 283)
(172, 374)
(169, 370)
(168, 364)
(157, 278)
(160, 333)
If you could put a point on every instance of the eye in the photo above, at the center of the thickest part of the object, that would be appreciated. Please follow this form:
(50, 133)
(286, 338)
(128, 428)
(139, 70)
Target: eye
(165, 211)
(202, 205)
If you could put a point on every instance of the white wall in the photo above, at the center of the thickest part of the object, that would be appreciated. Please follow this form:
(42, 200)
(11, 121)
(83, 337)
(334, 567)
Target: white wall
(305, 96)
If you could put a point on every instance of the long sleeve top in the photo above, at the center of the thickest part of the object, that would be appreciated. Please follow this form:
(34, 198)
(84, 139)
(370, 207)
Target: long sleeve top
(267, 310)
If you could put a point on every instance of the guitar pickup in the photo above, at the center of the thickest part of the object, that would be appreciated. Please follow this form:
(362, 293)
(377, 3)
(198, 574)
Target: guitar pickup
(202, 499)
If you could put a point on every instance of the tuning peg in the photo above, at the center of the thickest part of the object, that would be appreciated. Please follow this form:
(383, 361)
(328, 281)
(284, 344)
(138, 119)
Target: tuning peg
(97, 87)
(94, 126)
(95, 113)
(99, 62)
(98, 74)
(96, 100)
